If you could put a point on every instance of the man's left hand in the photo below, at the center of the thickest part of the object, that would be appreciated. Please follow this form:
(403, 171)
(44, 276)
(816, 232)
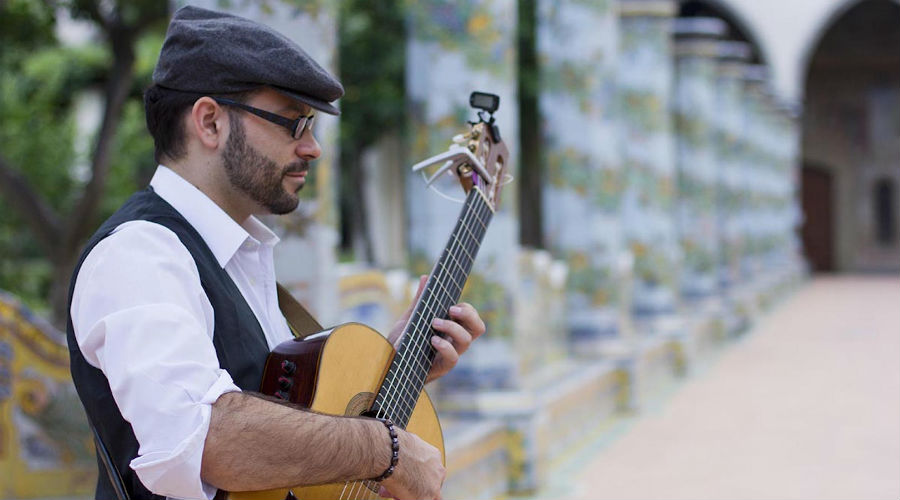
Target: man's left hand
(463, 327)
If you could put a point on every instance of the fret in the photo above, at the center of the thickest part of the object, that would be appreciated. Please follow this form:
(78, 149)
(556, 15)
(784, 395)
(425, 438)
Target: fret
(451, 278)
(469, 255)
(406, 376)
(446, 293)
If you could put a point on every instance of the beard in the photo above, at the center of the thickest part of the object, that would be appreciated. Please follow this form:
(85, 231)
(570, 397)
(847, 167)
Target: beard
(257, 176)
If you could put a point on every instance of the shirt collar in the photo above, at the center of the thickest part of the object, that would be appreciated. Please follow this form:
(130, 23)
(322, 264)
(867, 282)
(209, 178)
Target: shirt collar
(221, 233)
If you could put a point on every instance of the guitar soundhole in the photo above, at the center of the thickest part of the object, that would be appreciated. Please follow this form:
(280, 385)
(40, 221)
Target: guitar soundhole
(360, 404)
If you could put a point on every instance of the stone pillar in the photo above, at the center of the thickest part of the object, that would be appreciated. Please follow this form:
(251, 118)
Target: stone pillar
(453, 50)
(695, 114)
(306, 257)
(753, 175)
(648, 205)
(770, 194)
(793, 216)
(577, 45)
(754, 169)
(786, 196)
(646, 72)
(695, 111)
(728, 133)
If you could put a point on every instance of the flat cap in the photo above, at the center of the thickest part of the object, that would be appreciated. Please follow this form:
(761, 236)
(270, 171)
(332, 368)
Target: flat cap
(212, 52)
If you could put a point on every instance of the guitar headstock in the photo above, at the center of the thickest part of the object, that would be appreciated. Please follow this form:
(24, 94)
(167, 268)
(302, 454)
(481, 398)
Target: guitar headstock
(485, 142)
(479, 158)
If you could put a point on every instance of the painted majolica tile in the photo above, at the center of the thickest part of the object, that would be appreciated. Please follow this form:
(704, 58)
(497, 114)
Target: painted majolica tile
(577, 47)
(645, 74)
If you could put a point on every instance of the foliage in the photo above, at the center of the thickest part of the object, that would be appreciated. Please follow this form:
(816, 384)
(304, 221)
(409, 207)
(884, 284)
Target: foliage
(44, 85)
(372, 39)
(372, 58)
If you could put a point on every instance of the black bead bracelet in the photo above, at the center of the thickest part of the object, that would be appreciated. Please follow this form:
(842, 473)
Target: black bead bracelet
(395, 450)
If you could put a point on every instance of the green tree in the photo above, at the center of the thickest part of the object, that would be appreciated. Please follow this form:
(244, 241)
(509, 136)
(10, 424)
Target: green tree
(50, 198)
(372, 60)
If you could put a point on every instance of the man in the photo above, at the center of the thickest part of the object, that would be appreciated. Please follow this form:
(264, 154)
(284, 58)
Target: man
(173, 305)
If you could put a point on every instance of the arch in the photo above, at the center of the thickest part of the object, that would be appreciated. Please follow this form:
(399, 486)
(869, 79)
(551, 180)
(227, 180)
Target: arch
(851, 88)
(830, 21)
(738, 28)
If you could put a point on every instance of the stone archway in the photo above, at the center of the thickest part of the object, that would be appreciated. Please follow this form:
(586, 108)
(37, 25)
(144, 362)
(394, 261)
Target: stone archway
(737, 28)
(851, 129)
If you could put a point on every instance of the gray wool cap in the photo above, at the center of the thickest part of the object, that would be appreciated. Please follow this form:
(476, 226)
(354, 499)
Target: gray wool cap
(211, 52)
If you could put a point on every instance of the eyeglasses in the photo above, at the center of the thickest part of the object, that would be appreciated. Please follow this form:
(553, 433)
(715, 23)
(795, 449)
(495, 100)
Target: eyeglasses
(296, 127)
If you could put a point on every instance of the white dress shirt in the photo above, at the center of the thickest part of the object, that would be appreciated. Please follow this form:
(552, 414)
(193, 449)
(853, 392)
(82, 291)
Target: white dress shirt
(141, 316)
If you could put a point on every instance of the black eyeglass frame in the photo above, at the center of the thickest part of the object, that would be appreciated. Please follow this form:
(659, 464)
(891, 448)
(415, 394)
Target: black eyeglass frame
(295, 127)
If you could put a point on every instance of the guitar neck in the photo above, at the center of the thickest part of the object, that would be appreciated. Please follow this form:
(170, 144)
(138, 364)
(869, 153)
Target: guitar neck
(405, 378)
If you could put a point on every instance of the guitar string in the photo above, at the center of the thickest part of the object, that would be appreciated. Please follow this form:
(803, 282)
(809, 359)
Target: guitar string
(412, 354)
(359, 488)
(416, 350)
(442, 272)
(389, 403)
(448, 270)
(413, 350)
(426, 308)
(420, 316)
(363, 488)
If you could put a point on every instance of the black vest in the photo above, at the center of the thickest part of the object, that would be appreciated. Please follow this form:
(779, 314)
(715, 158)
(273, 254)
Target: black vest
(239, 340)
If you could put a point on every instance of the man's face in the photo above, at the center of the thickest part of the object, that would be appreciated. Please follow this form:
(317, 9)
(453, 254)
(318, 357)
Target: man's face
(270, 184)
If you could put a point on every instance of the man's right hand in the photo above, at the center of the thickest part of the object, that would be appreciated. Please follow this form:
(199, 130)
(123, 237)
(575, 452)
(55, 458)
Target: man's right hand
(419, 473)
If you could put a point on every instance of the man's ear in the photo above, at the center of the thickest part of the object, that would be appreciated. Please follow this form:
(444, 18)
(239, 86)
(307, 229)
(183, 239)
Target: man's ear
(208, 121)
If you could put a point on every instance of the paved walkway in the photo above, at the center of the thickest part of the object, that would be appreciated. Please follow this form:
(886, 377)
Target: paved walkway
(806, 406)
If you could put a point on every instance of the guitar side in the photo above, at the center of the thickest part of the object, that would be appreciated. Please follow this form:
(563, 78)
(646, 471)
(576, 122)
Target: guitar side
(339, 372)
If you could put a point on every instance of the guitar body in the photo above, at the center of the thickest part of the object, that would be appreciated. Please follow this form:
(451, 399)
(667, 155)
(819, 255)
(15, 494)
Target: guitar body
(338, 372)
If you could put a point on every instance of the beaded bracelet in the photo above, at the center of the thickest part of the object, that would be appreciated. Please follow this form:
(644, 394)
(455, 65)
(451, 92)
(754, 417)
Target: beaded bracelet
(395, 450)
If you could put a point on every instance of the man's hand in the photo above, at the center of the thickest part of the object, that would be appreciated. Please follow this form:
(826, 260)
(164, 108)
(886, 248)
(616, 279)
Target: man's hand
(463, 327)
(419, 473)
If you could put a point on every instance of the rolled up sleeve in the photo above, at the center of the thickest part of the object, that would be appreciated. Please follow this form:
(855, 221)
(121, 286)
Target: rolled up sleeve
(140, 315)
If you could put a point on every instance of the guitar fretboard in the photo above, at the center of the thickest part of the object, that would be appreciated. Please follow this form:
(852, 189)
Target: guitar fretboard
(406, 376)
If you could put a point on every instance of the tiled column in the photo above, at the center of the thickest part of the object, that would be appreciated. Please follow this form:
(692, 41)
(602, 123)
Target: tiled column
(770, 194)
(695, 111)
(784, 256)
(755, 166)
(577, 45)
(306, 257)
(790, 172)
(453, 50)
(755, 174)
(695, 115)
(648, 205)
(728, 133)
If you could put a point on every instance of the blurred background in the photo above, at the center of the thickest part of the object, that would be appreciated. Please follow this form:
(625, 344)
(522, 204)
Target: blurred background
(691, 286)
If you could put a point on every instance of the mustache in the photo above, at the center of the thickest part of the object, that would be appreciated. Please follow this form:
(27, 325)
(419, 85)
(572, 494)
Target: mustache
(297, 167)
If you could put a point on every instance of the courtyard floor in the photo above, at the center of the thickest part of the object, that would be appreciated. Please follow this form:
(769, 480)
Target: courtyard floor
(806, 405)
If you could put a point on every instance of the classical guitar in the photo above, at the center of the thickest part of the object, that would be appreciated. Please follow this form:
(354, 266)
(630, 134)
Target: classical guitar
(352, 369)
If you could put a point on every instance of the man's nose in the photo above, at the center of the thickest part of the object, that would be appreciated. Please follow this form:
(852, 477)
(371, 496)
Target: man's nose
(308, 147)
